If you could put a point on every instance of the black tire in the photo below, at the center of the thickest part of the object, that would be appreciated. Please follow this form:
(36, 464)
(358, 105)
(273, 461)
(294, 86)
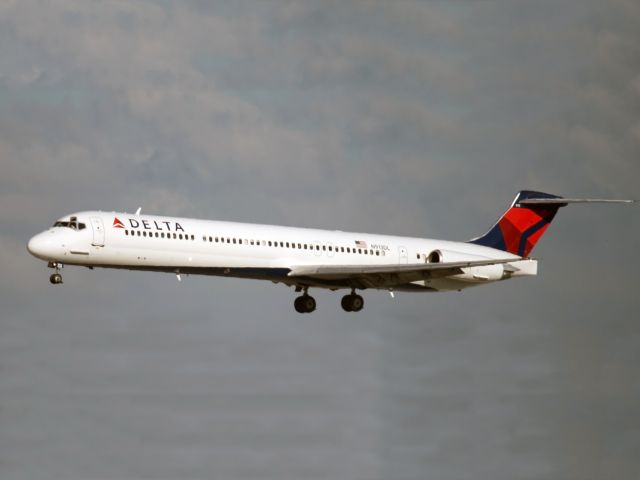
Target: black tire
(346, 303)
(304, 304)
(55, 279)
(357, 302)
(309, 303)
(298, 305)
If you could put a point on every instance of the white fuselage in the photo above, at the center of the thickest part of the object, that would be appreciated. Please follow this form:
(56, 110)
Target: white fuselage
(266, 252)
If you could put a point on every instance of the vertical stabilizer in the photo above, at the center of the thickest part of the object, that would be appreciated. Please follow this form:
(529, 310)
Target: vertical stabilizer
(522, 225)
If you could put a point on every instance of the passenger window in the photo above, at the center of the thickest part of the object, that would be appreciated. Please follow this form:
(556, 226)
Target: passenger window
(126, 232)
(377, 253)
(342, 249)
(162, 235)
(299, 246)
(180, 236)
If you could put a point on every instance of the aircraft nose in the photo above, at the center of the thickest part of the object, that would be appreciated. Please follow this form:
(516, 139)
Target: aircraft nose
(39, 245)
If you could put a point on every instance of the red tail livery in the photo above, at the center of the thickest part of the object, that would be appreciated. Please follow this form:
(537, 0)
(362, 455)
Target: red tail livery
(523, 224)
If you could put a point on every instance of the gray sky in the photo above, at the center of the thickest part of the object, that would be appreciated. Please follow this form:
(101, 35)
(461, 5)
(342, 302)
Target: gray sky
(417, 118)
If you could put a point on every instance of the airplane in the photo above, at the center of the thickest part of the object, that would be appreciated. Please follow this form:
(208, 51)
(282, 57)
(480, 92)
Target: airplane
(303, 258)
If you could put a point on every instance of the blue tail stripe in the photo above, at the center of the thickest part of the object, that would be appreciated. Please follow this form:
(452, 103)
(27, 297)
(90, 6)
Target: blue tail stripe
(527, 233)
(493, 238)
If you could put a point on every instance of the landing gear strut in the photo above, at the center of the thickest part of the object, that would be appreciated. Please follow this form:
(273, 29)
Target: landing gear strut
(56, 278)
(352, 302)
(305, 303)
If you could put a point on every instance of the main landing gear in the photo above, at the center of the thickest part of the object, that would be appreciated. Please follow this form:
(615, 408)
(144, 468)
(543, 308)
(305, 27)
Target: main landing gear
(352, 302)
(307, 304)
(56, 278)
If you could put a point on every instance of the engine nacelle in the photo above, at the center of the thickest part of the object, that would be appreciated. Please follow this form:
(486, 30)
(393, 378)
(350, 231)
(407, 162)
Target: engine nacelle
(472, 274)
(445, 256)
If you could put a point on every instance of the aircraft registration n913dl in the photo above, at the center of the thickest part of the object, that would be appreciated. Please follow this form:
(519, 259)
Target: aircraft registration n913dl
(300, 257)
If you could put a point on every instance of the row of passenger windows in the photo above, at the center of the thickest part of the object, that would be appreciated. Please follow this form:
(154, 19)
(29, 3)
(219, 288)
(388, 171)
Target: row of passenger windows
(264, 243)
(175, 236)
(294, 245)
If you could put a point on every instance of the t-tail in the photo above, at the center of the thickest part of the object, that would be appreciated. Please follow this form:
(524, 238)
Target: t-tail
(524, 223)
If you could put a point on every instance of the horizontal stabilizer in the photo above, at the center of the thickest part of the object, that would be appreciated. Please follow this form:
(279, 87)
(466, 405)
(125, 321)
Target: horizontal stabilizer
(529, 216)
(565, 201)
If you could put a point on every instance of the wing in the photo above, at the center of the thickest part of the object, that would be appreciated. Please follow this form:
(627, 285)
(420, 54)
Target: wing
(378, 276)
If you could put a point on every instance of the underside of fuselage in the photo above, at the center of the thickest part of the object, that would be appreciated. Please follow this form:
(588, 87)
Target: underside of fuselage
(281, 275)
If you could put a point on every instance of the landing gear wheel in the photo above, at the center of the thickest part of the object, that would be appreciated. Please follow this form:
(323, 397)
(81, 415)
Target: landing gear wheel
(346, 303)
(55, 279)
(352, 303)
(305, 304)
(357, 303)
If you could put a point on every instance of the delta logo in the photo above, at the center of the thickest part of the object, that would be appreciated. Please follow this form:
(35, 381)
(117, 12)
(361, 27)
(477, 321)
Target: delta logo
(144, 224)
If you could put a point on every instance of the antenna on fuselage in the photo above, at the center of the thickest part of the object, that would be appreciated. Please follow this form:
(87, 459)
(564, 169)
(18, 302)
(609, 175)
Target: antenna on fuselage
(138, 210)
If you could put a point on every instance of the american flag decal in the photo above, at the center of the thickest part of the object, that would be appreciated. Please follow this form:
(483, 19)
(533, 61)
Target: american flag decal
(361, 244)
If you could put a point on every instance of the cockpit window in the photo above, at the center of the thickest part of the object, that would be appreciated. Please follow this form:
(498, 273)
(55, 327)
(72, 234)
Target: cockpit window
(73, 224)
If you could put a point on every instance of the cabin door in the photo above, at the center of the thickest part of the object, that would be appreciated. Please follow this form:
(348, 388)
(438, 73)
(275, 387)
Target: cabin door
(98, 232)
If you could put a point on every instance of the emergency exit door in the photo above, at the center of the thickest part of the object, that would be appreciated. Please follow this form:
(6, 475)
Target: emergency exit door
(402, 255)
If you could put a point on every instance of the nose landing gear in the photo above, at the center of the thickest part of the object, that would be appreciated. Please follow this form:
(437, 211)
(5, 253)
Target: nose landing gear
(56, 278)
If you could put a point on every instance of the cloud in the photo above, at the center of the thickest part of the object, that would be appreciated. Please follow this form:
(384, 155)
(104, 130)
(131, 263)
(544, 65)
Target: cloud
(417, 118)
